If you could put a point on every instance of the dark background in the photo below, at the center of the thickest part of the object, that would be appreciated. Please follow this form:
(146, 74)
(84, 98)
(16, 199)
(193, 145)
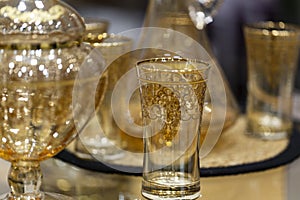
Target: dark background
(225, 33)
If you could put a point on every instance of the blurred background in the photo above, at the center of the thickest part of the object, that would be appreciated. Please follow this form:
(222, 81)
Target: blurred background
(225, 33)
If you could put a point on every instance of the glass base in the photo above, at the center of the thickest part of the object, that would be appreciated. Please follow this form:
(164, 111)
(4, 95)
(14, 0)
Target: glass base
(269, 135)
(173, 187)
(157, 197)
(46, 196)
(102, 150)
(267, 126)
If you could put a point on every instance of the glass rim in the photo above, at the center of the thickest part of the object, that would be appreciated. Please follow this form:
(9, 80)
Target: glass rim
(205, 66)
(113, 40)
(274, 28)
(96, 24)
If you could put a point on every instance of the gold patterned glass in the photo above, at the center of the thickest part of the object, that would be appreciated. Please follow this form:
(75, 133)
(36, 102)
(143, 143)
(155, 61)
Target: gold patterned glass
(272, 56)
(172, 94)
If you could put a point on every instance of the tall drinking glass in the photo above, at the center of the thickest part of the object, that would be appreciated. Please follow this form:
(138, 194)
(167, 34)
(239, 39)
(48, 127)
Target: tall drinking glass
(272, 56)
(106, 143)
(172, 94)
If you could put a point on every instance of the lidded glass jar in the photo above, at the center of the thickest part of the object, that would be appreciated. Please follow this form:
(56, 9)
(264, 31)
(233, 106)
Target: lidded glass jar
(39, 24)
(43, 37)
(41, 55)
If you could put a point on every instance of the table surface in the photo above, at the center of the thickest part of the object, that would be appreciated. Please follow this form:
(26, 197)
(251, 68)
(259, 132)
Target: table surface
(275, 184)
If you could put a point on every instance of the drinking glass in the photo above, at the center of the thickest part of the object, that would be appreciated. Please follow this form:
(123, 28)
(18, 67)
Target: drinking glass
(272, 56)
(106, 142)
(42, 62)
(172, 94)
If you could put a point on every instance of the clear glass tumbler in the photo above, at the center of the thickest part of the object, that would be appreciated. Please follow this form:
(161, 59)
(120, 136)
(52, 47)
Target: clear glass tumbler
(272, 56)
(172, 94)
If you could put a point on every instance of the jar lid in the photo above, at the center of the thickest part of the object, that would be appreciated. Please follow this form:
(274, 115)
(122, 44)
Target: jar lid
(39, 24)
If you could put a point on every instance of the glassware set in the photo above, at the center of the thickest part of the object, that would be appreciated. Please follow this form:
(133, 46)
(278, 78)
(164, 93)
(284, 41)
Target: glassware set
(51, 67)
(47, 73)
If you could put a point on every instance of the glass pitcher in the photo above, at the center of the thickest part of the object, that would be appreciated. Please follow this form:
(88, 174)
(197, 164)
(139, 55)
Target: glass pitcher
(190, 18)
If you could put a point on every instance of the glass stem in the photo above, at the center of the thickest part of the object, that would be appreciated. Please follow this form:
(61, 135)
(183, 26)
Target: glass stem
(25, 178)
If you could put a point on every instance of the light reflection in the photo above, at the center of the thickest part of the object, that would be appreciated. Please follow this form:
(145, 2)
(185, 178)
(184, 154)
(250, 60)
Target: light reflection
(41, 67)
(40, 27)
(11, 65)
(207, 109)
(58, 25)
(37, 22)
(55, 135)
(11, 110)
(14, 130)
(24, 25)
(51, 57)
(23, 69)
(24, 52)
(19, 74)
(30, 73)
(19, 58)
(51, 103)
(38, 52)
(64, 185)
(16, 20)
(26, 111)
(39, 4)
(33, 61)
(22, 6)
(58, 61)
(45, 73)
(32, 52)
(4, 140)
(22, 99)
